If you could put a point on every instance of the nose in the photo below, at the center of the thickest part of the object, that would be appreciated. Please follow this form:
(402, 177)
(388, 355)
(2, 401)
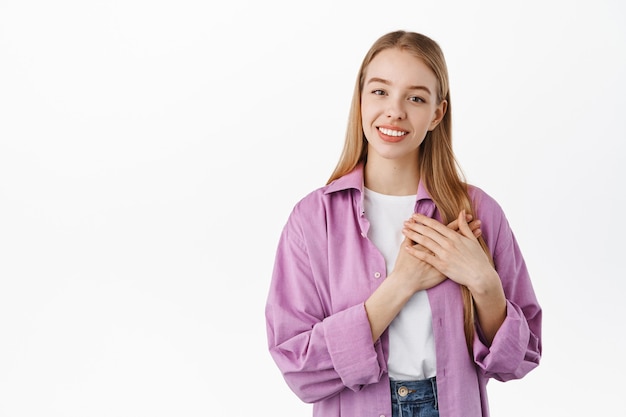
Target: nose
(395, 111)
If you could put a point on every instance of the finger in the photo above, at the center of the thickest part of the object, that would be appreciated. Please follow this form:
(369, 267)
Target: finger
(420, 253)
(425, 256)
(475, 228)
(434, 225)
(426, 236)
(464, 228)
(454, 225)
(417, 238)
(474, 225)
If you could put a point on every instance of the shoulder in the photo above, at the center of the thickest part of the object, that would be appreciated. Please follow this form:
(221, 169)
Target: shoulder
(320, 200)
(337, 195)
(316, 213)
(484, 203)
(495, 225)
(311, 202)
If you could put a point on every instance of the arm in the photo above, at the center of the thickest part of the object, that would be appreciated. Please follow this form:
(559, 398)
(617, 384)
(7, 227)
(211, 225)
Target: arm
(320, 352)
(516, 348)
(411, 274)
(508, 341)
(459, 256)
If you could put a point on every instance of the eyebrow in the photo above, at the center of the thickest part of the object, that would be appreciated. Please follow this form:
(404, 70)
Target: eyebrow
(386, 82)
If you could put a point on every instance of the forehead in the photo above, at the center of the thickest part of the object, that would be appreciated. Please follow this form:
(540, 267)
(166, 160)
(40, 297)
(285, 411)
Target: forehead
(400, 67)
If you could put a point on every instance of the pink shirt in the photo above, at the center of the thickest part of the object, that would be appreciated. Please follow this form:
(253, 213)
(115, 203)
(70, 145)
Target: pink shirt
(317, 327)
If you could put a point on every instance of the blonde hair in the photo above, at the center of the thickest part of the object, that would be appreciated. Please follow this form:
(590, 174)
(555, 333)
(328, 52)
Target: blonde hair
(438, 167)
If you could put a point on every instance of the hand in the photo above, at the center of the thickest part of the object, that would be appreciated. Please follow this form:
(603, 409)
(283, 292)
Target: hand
(419, 275)
(453, 250)
(425, 276)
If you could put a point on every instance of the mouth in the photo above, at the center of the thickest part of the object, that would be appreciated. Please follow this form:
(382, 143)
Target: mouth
(391, 135)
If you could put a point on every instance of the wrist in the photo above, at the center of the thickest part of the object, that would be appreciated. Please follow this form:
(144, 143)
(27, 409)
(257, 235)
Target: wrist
(486, 284)
(402, 285)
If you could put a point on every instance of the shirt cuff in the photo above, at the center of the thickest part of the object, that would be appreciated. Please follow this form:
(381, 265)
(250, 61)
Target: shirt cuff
(356, 359)
(508, 349)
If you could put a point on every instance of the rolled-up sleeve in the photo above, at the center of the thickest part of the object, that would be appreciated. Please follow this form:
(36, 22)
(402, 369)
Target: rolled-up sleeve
(514, 352)
(318, 351)
(516, 348)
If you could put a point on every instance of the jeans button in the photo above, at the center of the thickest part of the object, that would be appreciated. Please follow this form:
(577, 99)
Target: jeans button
(403, 391)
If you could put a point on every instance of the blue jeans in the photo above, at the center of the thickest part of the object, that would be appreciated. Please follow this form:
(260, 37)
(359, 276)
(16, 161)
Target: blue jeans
(414, 398)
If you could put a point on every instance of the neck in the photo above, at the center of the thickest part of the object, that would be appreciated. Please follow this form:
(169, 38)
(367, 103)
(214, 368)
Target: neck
(391, 177)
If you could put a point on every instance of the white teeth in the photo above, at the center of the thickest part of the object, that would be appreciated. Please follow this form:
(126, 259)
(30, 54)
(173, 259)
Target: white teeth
(390, 132)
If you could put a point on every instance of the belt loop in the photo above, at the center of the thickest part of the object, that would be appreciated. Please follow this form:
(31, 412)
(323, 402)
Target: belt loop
(433, 381)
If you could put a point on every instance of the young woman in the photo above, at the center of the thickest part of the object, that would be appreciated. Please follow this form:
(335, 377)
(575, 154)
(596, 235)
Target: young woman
(398, 289)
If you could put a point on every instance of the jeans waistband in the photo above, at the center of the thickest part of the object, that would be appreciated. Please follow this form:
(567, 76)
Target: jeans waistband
(414, 391)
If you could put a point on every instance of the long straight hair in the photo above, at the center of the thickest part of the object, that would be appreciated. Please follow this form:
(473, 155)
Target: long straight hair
(438, 167)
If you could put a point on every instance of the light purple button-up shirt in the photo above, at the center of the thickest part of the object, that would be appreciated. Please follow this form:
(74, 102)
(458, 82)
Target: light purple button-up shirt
(318, 331)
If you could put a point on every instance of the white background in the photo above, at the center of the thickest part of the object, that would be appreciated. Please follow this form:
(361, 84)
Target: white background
(150, 152)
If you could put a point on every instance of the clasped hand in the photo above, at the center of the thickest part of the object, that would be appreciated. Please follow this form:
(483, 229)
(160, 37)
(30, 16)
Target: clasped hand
(432, 251)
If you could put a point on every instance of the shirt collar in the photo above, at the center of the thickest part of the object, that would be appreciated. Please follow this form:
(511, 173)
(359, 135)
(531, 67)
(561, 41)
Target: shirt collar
(354, 179)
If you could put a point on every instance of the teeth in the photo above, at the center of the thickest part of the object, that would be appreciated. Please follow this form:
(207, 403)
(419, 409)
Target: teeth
(390, 132)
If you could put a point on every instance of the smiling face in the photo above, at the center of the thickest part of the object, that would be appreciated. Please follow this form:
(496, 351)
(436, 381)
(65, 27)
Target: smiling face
(399, 105)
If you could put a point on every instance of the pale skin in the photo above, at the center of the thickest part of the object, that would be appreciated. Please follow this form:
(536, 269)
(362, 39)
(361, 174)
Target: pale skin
(399, 107)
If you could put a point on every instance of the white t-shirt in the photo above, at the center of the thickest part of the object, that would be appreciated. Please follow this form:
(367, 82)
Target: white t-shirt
(411, 341)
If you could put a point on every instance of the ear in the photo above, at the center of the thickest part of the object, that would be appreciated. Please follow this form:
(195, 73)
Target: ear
(440, 111)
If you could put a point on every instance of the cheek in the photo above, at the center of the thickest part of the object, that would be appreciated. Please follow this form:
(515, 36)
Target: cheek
(365, 117)
(368, 113)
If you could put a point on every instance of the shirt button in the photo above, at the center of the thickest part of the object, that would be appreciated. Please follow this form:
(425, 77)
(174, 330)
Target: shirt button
(376, 274)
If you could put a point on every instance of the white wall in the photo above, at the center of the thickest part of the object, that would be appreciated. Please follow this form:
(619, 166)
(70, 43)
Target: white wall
(150, 152)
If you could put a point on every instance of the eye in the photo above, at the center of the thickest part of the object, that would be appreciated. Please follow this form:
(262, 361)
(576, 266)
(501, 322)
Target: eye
(378, 92)
(417, 99)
